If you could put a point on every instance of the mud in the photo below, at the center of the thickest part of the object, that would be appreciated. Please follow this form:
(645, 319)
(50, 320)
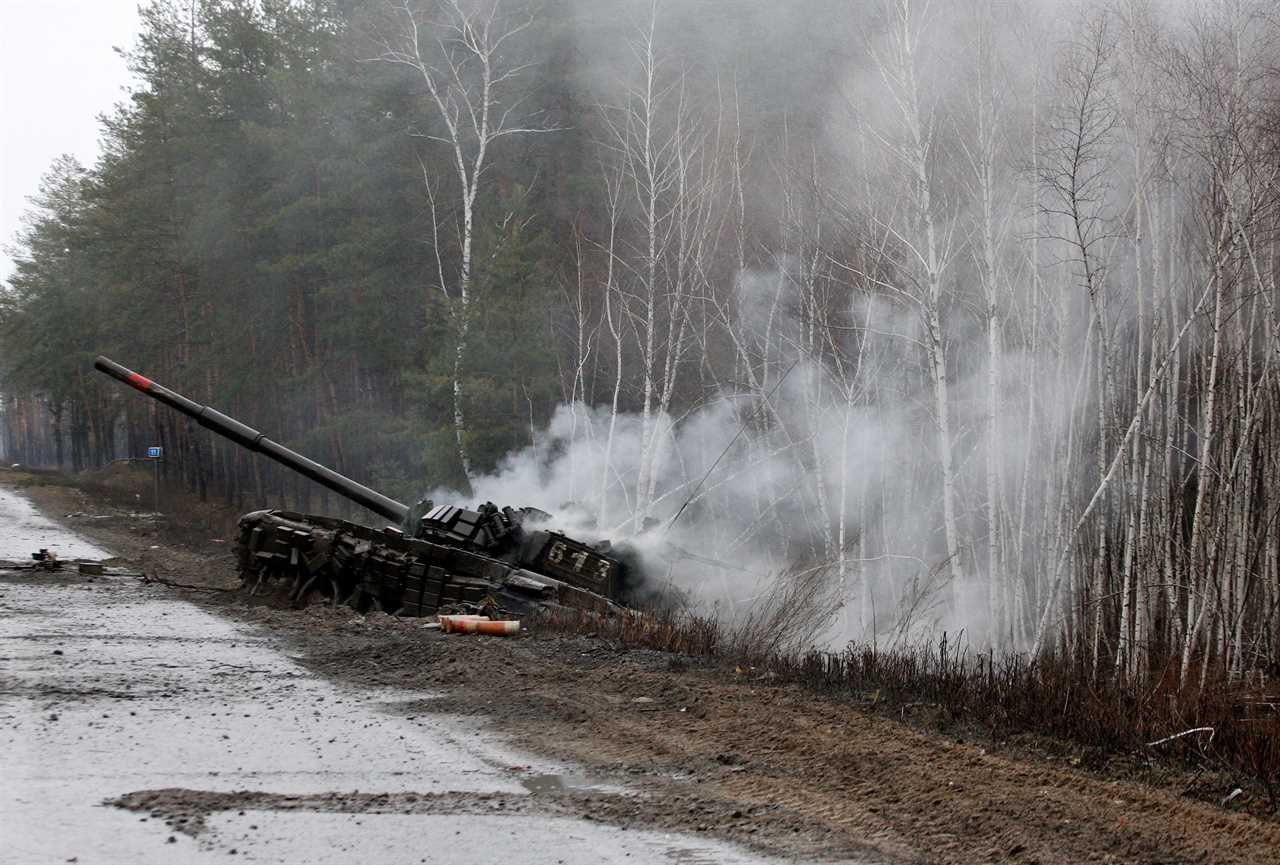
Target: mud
(188, 810)
(728, 754)
(138, 727)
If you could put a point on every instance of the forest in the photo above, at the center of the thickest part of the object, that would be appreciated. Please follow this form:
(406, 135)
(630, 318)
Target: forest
(972, 305)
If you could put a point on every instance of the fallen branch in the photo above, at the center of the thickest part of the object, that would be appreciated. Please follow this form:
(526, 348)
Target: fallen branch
(175, 585)
(1208, 730)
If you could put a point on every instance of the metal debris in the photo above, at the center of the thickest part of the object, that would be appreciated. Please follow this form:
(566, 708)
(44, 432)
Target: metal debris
(436, 557)
(46, 560)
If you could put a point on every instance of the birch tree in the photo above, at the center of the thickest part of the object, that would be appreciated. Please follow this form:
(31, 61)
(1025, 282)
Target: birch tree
(927, 236)
(461, 53)
(660, 146)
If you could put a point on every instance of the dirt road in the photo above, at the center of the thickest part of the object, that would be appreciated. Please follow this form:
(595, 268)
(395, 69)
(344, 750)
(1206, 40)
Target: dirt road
(668, 748)
(212, 741)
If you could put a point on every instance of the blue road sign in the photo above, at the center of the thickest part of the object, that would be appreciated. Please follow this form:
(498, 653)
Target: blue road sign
(153, 453)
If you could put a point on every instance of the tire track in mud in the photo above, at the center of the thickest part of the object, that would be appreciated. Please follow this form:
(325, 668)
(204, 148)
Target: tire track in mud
(778, 768)
(864, 780)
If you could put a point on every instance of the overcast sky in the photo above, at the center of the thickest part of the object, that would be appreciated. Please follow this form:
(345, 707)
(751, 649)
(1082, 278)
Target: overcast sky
(58, 72)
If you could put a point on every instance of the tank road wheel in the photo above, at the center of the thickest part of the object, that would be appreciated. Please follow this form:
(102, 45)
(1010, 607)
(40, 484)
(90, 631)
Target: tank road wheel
(299, 598)
(489, 549)
(262, 573)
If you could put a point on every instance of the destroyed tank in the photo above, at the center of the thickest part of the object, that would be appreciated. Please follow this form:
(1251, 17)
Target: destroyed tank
(434, 557)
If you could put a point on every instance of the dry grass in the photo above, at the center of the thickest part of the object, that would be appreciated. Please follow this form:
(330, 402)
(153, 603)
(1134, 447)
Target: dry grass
(131, 486)
(1237, 722)
(786, 620)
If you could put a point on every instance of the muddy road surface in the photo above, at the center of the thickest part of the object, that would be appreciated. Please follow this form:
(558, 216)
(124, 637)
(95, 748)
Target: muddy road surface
(140, 728)
(227, 724)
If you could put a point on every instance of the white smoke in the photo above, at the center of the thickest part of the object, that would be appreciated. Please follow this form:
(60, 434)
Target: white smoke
(838, 465)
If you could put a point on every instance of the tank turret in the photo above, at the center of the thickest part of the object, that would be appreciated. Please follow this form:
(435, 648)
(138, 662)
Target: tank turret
(437, 555)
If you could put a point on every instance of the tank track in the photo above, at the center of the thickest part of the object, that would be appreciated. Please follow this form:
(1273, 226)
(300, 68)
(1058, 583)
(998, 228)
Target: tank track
(370, 569)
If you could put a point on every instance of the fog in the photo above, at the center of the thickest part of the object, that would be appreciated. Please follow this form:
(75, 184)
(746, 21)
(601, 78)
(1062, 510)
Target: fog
(969, 307)
(938, 132)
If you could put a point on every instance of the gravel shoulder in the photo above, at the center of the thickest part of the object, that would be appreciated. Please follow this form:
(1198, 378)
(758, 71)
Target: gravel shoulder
(721, 753)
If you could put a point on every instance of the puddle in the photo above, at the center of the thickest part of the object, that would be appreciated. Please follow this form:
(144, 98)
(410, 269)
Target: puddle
(689, 856)
(553, 783)
(544, 784)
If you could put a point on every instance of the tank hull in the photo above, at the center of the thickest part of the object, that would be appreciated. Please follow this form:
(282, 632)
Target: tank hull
(367, 569)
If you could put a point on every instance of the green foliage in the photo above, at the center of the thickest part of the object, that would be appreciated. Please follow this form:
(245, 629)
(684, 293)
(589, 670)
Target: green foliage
(512, 378)
(52, 306)
(232, 241)
(258, 236)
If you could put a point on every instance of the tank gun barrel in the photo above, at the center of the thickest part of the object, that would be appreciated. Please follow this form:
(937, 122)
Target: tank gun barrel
(250, 438)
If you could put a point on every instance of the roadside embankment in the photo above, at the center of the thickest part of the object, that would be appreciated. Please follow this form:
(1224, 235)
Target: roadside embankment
(738, 753)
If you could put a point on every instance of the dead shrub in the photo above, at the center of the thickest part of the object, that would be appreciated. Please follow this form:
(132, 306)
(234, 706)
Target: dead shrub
(1227, 725)
(786, 620)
